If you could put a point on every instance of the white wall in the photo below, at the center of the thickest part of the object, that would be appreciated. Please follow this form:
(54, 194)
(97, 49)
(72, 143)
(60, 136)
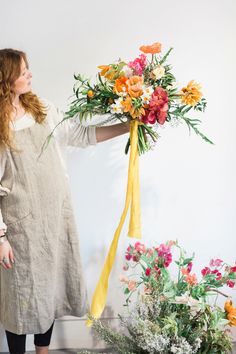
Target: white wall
(187, 186)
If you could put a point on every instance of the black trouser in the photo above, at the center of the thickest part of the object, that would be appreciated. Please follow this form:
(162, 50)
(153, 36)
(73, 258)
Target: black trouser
(16, 342)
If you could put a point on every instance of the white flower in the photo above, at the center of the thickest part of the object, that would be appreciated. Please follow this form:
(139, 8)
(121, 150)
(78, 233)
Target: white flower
(158, 72)
(117, 106)
(147, 94)
(128, 72)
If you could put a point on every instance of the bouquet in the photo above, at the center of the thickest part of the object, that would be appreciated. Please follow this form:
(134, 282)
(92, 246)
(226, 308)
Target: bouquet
(172, 314)
(144, 90)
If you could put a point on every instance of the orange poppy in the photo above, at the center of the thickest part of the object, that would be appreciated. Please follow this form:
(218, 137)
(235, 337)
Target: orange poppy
(151, 49)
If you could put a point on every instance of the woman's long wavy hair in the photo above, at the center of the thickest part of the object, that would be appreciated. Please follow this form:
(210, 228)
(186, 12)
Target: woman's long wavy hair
(10, 70)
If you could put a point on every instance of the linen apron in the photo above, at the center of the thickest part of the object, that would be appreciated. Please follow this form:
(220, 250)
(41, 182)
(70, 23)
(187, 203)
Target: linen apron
(46, 280)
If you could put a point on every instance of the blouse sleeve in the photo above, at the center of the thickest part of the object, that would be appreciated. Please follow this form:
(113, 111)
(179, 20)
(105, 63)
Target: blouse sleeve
(71, 132)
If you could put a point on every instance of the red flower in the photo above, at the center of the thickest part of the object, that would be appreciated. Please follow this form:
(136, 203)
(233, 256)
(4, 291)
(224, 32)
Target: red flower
(233, 269)
(135, 258)
(157, 108)
(217, 273)
(128, 256)
(230, 283)
(205, 271)
(148, 272)
(189, 267)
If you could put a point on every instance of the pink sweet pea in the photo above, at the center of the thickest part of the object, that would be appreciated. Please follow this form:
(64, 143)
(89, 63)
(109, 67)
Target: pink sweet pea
(138, 65)
(139, 247)
(216, 262)
(189, 267)
(205, 271)
(128, 256)
(230, 283)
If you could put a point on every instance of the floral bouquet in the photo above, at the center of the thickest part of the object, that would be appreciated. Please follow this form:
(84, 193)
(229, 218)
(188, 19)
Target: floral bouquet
(172, 314)
(144, 90)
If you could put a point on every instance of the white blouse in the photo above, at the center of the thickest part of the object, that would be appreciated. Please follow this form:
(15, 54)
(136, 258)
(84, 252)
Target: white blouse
(70, 133)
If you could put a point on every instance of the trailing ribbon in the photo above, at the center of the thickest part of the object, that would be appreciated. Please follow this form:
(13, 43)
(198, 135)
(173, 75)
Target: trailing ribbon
(132, 200)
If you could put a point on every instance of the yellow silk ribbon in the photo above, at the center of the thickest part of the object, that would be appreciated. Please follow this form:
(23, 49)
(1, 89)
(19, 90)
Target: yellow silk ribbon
(132, 200)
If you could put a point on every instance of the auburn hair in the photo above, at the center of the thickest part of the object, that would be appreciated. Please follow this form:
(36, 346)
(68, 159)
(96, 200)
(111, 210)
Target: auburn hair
(10, 70)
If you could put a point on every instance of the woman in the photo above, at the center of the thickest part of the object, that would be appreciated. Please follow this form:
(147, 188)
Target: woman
(40, 276)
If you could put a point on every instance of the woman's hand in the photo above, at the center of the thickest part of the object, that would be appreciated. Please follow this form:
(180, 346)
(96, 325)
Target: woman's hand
(6, 255)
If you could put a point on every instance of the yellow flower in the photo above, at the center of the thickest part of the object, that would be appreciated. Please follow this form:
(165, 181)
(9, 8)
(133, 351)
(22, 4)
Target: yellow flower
(231, 312)
(191, 94)
(128, 107)
(108, 72)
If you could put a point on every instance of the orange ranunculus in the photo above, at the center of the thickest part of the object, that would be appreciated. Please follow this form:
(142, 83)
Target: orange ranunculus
(134, 86)
(191, 94)
(231, 312)
(151, 49)
(120, 85)
(129, 108)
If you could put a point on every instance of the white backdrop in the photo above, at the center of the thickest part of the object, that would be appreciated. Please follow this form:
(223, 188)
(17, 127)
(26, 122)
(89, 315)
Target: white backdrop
(187, 186)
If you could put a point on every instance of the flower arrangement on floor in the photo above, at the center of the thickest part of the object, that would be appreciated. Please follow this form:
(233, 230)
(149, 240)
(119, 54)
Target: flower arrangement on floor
(172, 315)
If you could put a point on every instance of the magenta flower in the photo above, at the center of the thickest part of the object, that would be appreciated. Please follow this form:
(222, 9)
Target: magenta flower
(189, 267)
(233, 269)
(139, 247)
(164, 252)
(230, 283)
(128, 256)
(148, 272)
(205, 271)
(217, 273)
(138, 65)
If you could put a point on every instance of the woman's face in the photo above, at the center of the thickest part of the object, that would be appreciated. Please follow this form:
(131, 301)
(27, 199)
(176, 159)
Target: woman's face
(23, 83)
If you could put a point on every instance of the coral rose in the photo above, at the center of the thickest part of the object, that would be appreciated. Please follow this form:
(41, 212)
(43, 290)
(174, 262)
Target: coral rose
(134, 84)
